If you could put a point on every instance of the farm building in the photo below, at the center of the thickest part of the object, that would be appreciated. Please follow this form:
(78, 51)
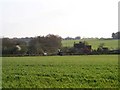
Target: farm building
(81, 47)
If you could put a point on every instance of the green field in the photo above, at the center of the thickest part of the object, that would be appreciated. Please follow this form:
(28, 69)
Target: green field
(111, 44)
(92, 71)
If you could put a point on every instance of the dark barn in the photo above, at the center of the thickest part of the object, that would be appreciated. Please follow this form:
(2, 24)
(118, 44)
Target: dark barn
(82, 48)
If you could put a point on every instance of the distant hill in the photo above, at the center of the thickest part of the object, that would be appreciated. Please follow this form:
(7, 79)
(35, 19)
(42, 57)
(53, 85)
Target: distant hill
(111, 44)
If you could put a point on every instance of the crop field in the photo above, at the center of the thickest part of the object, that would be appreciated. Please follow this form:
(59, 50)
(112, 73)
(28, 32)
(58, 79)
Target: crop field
(111, 44)
(93, 71)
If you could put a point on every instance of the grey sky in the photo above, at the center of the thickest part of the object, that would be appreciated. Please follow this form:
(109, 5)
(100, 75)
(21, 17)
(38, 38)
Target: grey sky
(85, 18)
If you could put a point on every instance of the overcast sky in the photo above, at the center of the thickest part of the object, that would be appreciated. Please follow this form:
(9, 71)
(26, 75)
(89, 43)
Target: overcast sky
(85, 18)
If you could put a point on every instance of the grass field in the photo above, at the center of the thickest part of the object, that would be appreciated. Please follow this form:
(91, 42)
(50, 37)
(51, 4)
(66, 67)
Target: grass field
(94, 42)
(96, 71)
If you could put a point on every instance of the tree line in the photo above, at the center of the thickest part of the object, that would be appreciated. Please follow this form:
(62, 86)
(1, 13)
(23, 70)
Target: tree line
(48, 45)
(113, 36)
(36, 45)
